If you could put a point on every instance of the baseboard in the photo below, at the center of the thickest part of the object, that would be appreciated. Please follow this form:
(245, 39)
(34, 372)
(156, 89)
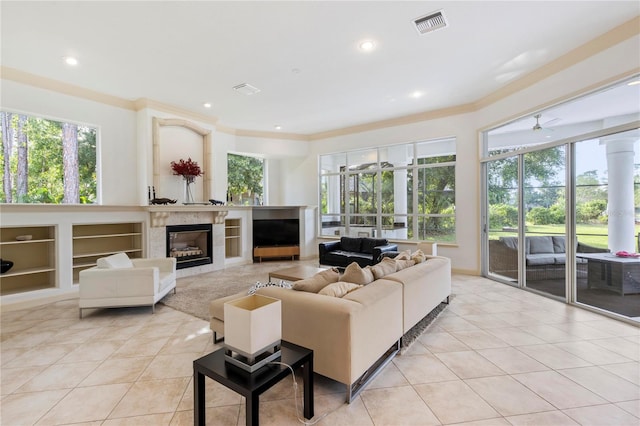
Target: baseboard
(31, 301)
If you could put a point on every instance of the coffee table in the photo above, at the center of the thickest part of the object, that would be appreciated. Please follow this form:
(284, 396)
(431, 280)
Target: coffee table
(610, 272)
(251, 385)
(295, 273)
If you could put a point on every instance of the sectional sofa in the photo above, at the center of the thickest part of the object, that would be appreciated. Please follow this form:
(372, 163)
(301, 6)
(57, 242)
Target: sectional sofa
(355, 335)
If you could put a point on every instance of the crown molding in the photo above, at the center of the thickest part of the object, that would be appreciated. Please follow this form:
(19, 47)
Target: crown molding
(143, 103)
(23, 77)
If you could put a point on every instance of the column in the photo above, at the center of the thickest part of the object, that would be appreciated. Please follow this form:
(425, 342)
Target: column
(621, 206)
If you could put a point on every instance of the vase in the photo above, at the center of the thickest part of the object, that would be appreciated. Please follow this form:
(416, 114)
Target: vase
(188, 194)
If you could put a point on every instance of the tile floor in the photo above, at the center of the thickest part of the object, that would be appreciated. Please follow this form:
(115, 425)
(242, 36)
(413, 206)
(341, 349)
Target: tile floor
(495, 356)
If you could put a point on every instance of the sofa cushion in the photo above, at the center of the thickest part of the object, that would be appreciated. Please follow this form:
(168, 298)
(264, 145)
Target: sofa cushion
(339, 289)
(115, 261)
(317, 282)
(351, 244)
(418, 256)
(559, 244)
(385, 267)
(368, 244)
(404, 263)
(356, 274)
(541, 259)
(540, 244)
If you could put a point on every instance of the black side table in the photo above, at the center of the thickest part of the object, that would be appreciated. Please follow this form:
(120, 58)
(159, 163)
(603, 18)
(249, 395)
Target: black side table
(251, 385)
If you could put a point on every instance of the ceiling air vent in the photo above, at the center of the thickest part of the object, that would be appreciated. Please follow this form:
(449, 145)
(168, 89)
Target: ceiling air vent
(432, 22)
(246, 89)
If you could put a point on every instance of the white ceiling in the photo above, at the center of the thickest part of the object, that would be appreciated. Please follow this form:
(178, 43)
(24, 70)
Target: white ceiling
(187, 53)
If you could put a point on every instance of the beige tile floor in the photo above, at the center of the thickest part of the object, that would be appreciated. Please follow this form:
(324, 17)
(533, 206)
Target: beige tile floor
(495, 356)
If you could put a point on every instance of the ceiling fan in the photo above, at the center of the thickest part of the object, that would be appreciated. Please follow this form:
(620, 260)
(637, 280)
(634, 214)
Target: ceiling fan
(538, 127)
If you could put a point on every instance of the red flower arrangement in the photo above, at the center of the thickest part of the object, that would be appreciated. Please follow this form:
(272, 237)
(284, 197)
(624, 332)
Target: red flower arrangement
(189, 169)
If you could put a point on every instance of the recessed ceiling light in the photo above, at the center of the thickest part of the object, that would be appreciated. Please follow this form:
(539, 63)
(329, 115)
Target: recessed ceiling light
(70, 60)
(206, 105)
(367, 45)
(417, 94)
(278, 127)
(633, 83)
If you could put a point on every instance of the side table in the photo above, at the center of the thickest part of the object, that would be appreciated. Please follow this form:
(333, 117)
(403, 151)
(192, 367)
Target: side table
(251, 385)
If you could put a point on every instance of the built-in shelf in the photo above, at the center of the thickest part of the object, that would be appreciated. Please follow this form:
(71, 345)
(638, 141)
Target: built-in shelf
(93, 241)
(232, 238)
(33, 260)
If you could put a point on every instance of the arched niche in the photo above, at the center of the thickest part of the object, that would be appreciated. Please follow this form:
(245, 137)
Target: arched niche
(175, 139)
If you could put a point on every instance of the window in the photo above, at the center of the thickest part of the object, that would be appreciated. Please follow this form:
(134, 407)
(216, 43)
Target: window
(402, 192)
(46, 161)
(245, 180)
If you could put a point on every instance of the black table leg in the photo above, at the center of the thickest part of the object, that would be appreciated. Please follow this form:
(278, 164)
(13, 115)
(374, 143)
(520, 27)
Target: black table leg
(252, 410)
(308, 388)
(198, 398)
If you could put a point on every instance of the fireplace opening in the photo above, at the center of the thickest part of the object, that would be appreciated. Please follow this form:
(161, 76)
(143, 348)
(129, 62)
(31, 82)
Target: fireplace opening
(190, 244)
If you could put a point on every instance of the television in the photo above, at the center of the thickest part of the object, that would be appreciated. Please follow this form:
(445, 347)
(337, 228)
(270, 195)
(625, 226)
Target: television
(276, 232)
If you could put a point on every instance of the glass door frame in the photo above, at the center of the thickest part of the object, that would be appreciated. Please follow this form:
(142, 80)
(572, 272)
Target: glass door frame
(570, 226)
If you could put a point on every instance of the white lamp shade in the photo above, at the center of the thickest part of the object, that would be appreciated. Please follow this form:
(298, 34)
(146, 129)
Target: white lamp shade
(252, 323)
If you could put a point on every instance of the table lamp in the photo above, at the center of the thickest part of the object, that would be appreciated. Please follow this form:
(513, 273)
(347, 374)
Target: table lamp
(252, 331)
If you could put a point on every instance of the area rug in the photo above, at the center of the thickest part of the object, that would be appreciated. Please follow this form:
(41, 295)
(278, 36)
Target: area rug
(193, 294)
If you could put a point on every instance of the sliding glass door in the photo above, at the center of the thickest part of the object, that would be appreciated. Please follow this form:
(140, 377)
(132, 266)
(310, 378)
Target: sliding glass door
(544, 206)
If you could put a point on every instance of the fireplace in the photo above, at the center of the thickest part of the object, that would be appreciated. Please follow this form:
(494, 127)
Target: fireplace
(191, 245)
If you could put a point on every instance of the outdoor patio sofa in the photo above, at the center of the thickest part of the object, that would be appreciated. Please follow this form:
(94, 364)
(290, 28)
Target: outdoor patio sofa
(545, 257)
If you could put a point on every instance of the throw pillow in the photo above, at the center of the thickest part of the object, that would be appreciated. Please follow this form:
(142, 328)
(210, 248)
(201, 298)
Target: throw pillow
(339, 289)
(404, 255)
(115, 261)
(357, 275)
(418, 256)
(318, 281)
(402, 264)
(385, 267)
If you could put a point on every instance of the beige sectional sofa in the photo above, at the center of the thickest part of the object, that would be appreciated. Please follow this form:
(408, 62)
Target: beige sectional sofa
(353, 335)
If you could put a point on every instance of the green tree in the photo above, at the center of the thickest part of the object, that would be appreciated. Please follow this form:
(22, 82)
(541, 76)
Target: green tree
(245, 177)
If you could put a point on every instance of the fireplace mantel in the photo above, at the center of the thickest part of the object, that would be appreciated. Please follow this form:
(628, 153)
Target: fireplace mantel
(160, 214)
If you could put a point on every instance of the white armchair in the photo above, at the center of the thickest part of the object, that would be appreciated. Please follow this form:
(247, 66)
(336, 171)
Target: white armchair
(118, 281)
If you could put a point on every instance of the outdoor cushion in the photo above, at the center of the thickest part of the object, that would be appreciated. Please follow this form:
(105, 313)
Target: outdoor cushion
(540, 259)
(539, 245)
(558, 244)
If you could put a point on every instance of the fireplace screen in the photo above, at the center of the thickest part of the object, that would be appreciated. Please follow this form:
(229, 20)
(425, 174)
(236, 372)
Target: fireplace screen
(189, 244)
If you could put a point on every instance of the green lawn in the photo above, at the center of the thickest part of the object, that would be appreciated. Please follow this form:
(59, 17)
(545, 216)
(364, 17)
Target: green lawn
(593, 235)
